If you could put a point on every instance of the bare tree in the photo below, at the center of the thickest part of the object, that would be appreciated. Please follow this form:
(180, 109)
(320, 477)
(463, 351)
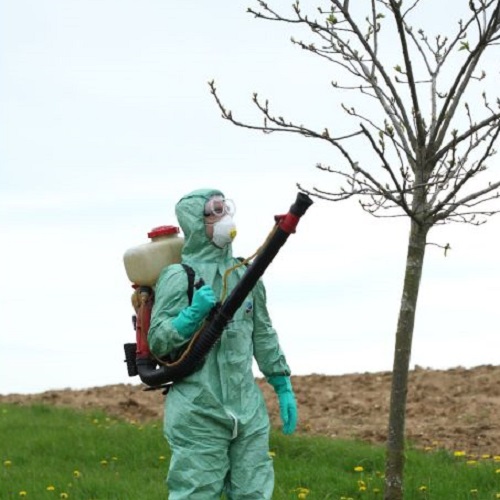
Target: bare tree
(434, 133)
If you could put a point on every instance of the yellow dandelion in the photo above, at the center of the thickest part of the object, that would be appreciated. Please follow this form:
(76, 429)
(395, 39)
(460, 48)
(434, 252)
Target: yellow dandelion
(64, 495)
(474, 491)
(272, 454)
(497, 471)
(496, 458)
(358, 468)
(104, 462)
(459, 453)
(23, 493)
(50, 488)
(77, 473)
(485, 456)
(114, 459)
(361, 484)
(497, 495)
(376, 491)
(422, 488)
(7, 463)
(95, 421)
(428, 448)
(301, 492)
(162, 458)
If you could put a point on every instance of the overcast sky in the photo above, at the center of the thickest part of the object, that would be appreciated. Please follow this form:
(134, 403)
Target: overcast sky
(107, 120)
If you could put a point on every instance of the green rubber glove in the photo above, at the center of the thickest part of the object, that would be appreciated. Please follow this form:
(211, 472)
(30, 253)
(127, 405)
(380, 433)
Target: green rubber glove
(286, 398)
(189, 319)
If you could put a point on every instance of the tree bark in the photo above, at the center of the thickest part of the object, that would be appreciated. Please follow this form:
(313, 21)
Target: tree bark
(395, 456)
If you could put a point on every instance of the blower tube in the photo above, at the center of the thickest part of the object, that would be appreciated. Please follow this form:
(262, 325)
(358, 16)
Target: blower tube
(156, 376)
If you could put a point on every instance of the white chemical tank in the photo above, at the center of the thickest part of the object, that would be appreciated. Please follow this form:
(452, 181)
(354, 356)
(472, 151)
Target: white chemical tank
(144, 263)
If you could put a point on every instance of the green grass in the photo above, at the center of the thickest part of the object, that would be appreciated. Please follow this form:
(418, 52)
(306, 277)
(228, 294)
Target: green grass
(53, 453)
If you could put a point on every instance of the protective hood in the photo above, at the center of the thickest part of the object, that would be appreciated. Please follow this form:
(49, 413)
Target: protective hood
(197, 245)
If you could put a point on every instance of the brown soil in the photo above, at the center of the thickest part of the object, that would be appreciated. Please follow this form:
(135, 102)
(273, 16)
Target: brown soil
(456, 409)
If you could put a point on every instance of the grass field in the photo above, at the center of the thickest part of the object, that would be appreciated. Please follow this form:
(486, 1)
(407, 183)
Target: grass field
(54, 453)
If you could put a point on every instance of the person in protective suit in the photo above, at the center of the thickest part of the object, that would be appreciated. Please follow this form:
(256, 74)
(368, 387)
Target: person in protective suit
(216, 421)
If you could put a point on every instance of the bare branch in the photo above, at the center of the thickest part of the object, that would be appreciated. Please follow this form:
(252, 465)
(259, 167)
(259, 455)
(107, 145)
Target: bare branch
(385, 165)
(446, 247)
(440, 212)
(462, 79)
(467, 134)
(409, 71)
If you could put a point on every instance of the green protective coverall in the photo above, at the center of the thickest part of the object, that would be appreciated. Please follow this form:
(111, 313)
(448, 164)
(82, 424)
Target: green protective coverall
(216, 421)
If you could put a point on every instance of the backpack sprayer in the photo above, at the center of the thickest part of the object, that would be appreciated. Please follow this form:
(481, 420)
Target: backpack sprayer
(144, 264)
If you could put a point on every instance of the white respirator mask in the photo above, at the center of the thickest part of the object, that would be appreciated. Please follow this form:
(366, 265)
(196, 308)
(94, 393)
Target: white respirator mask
(224, 231)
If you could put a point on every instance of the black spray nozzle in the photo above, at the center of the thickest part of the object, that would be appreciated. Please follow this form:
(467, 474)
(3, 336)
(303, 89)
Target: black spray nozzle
(301, 204)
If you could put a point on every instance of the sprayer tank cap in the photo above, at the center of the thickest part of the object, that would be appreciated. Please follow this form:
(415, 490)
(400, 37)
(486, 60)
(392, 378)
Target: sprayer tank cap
(163, 231)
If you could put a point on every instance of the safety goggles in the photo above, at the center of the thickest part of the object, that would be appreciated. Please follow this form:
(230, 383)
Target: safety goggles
(219, 206)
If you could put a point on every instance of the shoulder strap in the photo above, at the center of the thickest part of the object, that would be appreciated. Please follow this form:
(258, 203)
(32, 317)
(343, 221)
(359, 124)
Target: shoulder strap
(190, 276)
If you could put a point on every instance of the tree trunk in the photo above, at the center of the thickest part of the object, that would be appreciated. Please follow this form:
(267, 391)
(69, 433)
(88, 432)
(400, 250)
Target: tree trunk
(395, 456)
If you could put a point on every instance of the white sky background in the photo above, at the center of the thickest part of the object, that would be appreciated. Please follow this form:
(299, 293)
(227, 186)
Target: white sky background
(107, 121)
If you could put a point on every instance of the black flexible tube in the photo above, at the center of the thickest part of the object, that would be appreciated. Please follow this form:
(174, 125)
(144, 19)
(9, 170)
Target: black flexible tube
(166, 373)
